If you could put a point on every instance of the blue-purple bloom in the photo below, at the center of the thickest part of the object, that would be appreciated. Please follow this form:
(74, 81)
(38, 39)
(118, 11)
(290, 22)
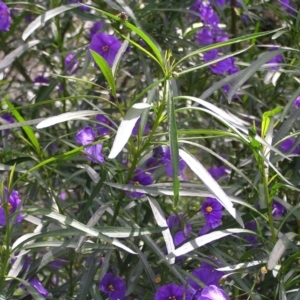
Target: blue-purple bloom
(208, 16)
(113, 286)
(12, 205)
(174, 223)
(208, 227)
(9, 119)
(71, 64)
(173, 292)
(207, 275)
(251, 238)
(38, 286)
(288, 144)
(217, 172)
(140, 178)
(275, 61)
(5, 19)
(83, 8)
(87, 136)
(105, 45)
(103, 127)
(155, 161)
(42, 80)
(166, 161)
(97, 26)
(278, 209)
(136, 128)
(204, 36)
(212, 210)
(212, 292)
(297, 102)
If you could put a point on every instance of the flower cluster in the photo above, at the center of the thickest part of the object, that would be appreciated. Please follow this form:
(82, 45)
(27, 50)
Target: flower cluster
(211, 34)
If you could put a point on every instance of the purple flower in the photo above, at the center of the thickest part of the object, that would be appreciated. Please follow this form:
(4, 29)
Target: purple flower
(5, 18)
(41, 79)
(278, 59)
(38, 286)
(140, 178)
(83, 8)
(113, 286)
(168, 164)
(297, 102)
(87, 136)
(155, 161)
(288, 144)
(174, 222)
(136, 127)
(9, 119)
(96, 28)
(251, 238)
(219, 35)
(172, 291)
(288, 6)
(103, 127)
(208, 227)
(278, 209)
(204, 36)
(212, 292)
(12, 205)
(219, 67)
(208, 16)
(71, 64)
(105, 45)
(212, 210)
(217, 172)
(206, 274)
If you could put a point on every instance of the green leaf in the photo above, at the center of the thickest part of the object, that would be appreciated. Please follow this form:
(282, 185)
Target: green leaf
(12, 56)
(266, 119)
(30, 134)
(173, 139)
(106, 71)
(42, 19)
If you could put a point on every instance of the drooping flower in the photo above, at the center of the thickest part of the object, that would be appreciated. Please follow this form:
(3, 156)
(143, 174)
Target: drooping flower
(113, 286)
(297, 102)
(83, 8)
(9, 119)
(42, 80)
(208, 227)
(38, 286)
(251, 238)
(278, 209)
(212, 292)
(166, 160)
(104, 127)
(217, 172)
(288, 144)
(140, 178)
(5, 19)
(174, 222)
(207, 275)
(71, 64)
(105, 45)
(97, 26)
(136, 128)
(172, 291)
(12, 205)
(275, 61)
(212, 210)
(87, 136)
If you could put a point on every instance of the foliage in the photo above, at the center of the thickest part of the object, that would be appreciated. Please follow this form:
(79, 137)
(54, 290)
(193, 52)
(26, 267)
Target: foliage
(149, 149)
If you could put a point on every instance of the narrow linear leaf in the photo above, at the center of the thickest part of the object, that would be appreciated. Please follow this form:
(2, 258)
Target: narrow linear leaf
(106, 71)
(125, 128)
(78, 115)
(42, 19)
(211, 184)
(33, 140)
(12, 56)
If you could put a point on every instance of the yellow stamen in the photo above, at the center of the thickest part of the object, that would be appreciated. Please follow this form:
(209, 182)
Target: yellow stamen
(209, 209)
